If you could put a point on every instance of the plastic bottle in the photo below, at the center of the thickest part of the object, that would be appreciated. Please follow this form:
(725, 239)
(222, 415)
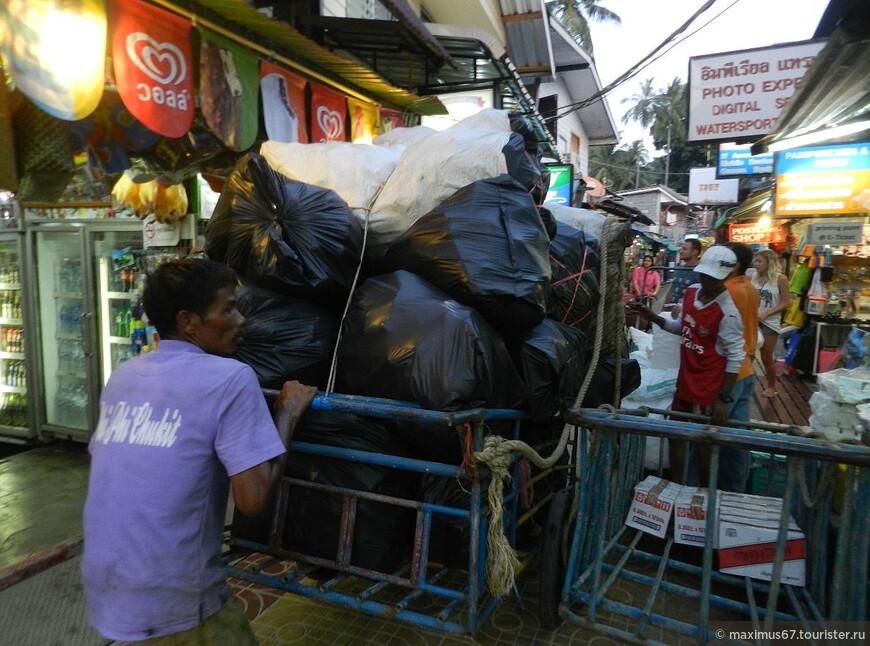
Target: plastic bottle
(138, 336)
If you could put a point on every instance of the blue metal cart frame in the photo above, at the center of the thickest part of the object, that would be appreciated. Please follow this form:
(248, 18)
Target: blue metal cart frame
(605, 552)
(420, 593)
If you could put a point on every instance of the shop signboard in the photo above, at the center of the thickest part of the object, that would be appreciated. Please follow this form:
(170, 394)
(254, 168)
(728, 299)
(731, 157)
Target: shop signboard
(835, 233)
(561, 180)
(737, 160)
(740, 94)
(823, 180)
(754, 233)
(704, 188)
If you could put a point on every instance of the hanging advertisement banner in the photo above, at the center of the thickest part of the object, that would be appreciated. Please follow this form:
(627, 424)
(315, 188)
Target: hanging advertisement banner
(328, 115)
(753, 233)
(389, 119)
(737, 160)
(823, 180)
(55, 52)
(363, 120)
(152, 58)
(284, 110)
(741, 94)
(228, 80)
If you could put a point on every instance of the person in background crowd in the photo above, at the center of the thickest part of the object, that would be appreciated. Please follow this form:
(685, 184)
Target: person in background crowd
(645, 282)
(690, 256)
(711, 351)
(734, 463)
(179, 428)
(773, 300)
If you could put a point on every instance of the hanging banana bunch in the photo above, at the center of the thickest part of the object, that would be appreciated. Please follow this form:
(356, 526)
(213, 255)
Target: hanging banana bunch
(167, 203)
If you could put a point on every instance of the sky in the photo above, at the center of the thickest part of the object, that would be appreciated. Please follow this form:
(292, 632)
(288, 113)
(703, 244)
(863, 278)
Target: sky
(646, 23)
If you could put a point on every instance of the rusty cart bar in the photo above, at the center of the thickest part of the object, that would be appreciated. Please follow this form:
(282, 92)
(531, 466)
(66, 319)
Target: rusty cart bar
(420, 593)
(633, 587)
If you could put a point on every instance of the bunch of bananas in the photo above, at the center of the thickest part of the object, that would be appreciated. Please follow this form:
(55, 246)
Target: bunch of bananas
(167, 203)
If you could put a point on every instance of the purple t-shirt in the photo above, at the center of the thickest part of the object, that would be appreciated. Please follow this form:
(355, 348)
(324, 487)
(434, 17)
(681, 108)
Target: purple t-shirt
(174, 424)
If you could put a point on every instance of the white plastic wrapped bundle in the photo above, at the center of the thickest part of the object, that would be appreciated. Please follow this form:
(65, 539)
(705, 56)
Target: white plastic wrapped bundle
(355, 172)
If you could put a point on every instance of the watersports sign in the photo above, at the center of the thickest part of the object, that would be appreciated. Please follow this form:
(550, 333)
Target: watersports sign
(823, 180)
(737, 160)
(741, 94)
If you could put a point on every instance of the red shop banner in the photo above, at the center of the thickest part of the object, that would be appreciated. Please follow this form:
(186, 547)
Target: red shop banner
(283, 104)
(152, 59)
(328, 115)
(753, 233)
(389, 120)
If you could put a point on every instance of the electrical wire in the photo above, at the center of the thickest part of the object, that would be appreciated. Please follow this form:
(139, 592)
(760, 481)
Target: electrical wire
(647, 60)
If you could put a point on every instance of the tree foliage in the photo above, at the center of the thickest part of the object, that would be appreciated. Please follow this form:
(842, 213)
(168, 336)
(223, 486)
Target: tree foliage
(575, 16)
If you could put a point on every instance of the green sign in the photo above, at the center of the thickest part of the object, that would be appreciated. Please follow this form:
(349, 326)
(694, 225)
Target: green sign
(561, 184)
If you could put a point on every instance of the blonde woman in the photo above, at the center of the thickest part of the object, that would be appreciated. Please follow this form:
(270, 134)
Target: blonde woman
(773, 299)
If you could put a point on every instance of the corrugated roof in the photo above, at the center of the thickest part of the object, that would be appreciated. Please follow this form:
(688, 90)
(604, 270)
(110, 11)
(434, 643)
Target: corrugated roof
(540, 46)
(236, 20)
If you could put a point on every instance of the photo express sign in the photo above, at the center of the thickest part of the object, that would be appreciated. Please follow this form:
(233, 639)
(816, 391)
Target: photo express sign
(741, 94)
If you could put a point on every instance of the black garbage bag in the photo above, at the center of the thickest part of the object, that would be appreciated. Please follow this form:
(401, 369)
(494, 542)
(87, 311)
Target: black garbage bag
(487, 248)
(404, 339)
(383, 532)
(293, 238)
(574, 292)
(449, 534)
(285, 338)
(552, 360)
(521, 165)
(603, 384)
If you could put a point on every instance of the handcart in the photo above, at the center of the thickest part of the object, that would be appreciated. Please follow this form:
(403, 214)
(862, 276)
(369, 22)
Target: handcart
(640, 589)
(421, 592)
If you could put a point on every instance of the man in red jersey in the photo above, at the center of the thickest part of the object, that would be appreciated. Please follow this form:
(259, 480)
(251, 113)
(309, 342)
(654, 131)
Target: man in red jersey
(711, 348)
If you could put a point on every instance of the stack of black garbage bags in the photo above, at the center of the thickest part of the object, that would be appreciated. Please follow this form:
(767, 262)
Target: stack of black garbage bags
(483, 302)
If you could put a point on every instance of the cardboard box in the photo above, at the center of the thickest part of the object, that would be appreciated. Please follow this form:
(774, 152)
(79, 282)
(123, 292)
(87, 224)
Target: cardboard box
(746, 539)
(690, 516)
(652, 506)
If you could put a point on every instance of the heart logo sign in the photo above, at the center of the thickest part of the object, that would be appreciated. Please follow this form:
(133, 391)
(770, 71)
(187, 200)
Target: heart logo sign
(330, 123)
(162, 62)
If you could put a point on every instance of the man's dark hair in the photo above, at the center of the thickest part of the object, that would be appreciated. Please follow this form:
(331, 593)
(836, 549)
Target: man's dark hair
(695, 244)
(744, 256)
(188, 284)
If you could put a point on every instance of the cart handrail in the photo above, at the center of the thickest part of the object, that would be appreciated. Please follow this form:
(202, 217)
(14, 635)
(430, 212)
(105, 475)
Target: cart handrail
(804, 447)
(402, 410)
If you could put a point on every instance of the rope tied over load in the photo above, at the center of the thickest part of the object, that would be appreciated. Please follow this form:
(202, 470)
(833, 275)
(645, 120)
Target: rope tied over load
(502, 562)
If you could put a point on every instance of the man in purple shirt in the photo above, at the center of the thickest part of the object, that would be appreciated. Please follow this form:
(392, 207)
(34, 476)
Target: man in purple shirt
(179, 428)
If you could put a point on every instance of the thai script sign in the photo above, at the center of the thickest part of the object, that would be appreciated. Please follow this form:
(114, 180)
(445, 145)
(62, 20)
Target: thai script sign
(823, 180)
(741, 94)
(704, 188)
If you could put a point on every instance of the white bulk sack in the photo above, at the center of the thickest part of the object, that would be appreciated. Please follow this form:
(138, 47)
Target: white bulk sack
(433, 168)
(590, 222)
(355, 172)
(403, 137)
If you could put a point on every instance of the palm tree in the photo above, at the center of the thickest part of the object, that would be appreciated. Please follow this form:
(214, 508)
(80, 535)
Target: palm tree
(575, 16)
(622, 168)
(644, 109)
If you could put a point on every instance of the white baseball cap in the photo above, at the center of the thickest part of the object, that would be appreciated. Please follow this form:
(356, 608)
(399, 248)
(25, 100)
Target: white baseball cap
(717, 262)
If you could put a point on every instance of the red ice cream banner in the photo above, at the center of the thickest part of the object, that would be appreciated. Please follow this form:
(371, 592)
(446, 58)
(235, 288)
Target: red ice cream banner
(284, 108)
(328, 115)
(389, 120)
(152, 58)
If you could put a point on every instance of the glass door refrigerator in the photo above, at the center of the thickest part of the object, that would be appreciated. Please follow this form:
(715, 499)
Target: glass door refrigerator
(89, 277)
(17, 419)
